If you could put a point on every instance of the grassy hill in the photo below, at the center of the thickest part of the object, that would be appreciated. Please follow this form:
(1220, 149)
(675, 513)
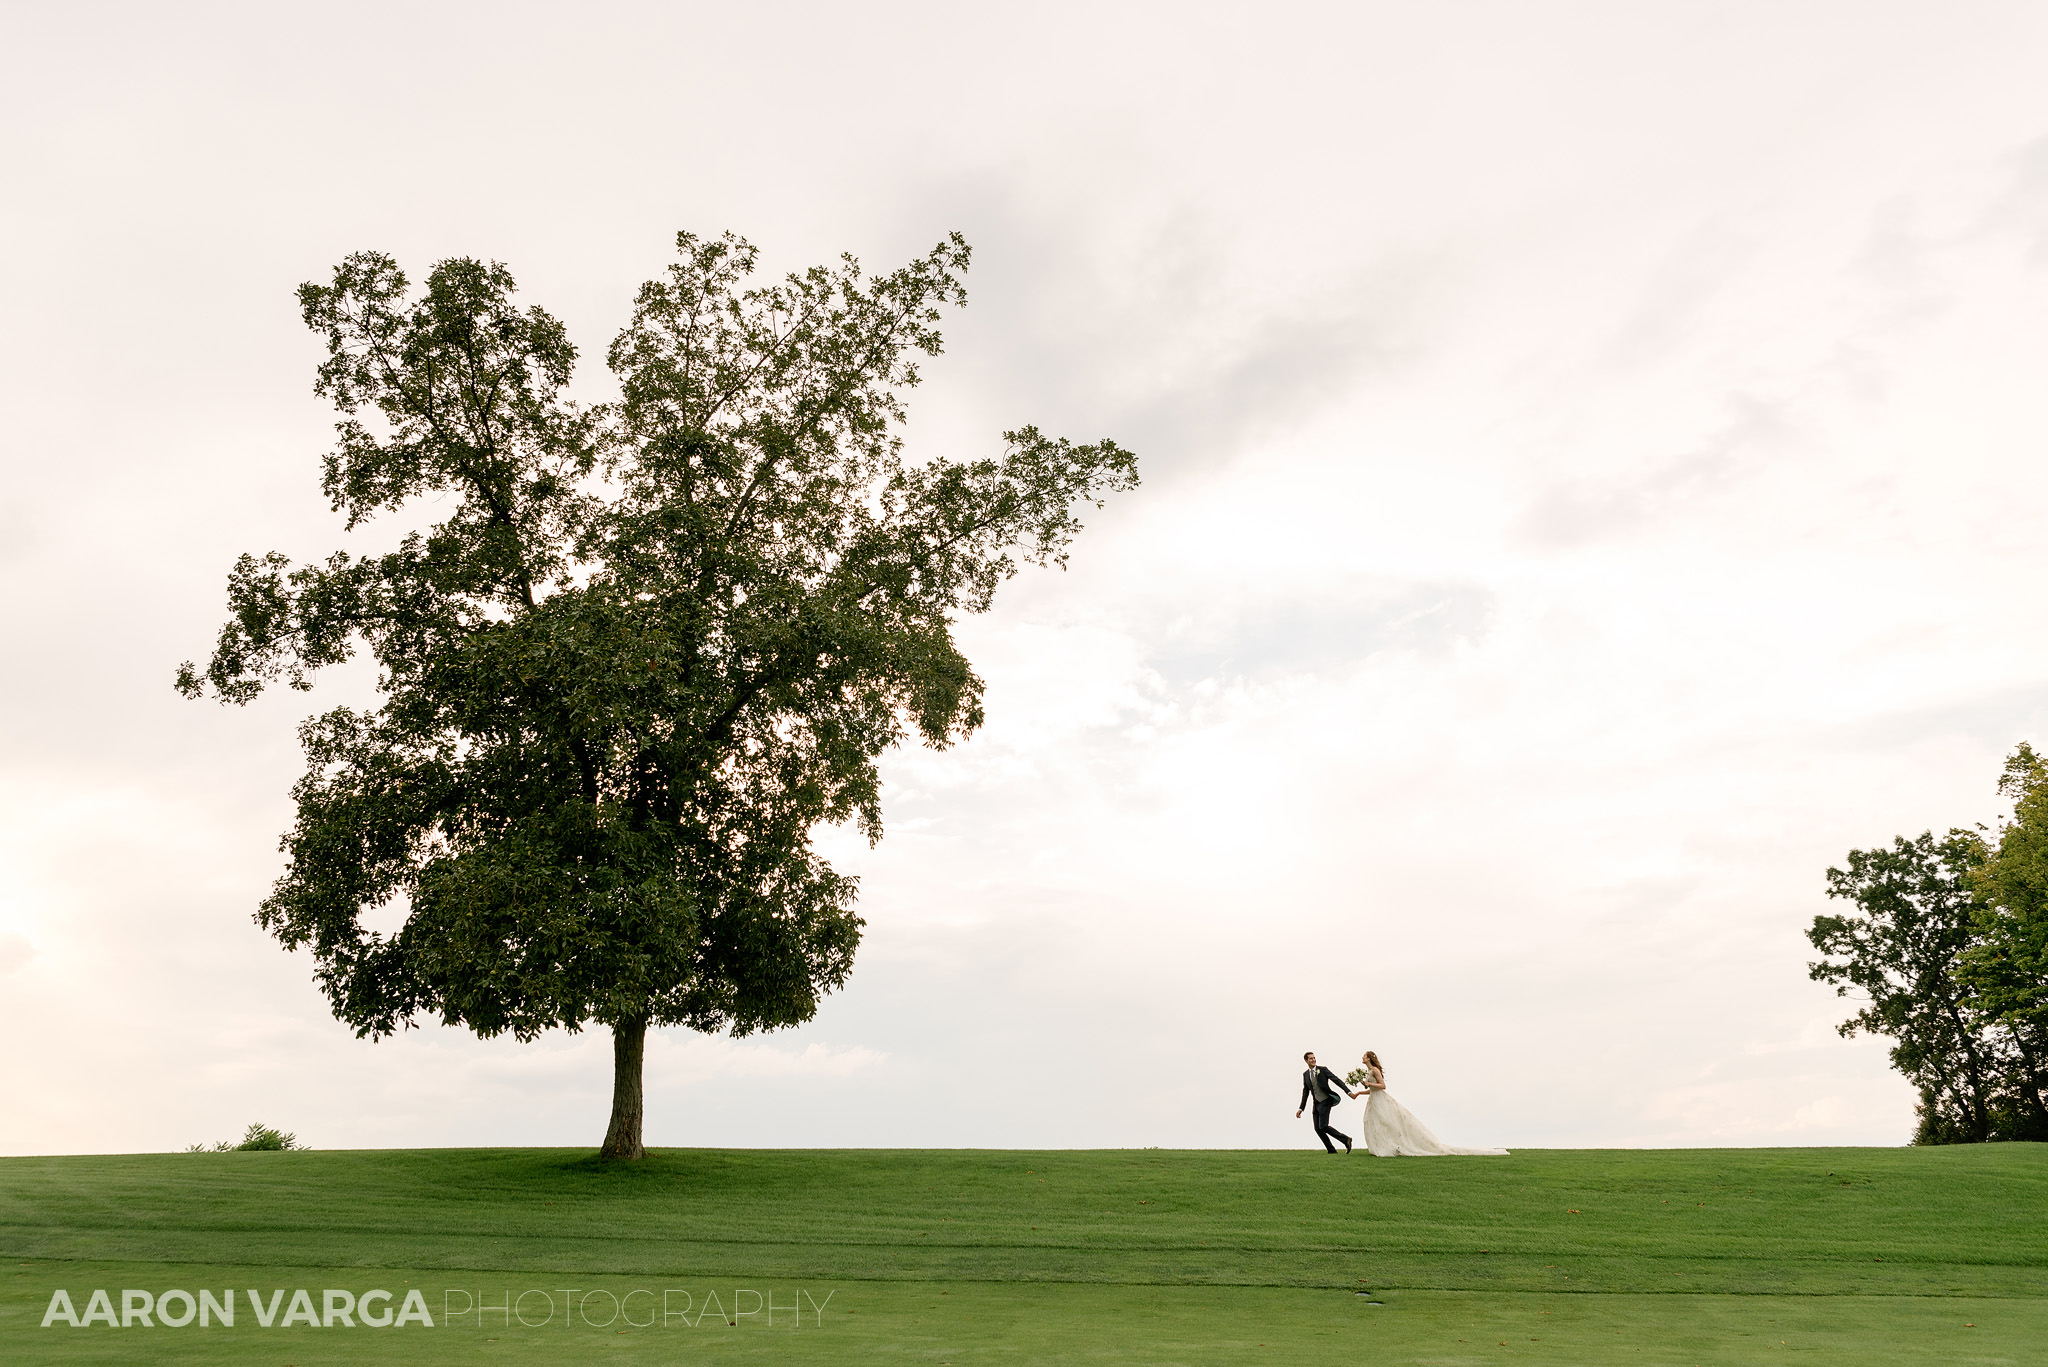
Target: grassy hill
(957, 1257)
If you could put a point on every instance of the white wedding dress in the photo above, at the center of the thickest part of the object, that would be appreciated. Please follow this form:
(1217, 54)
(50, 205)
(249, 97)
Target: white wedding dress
(1391, 1131)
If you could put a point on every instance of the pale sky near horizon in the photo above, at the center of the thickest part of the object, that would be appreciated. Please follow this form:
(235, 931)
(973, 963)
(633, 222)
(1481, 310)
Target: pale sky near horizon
(1593, 480)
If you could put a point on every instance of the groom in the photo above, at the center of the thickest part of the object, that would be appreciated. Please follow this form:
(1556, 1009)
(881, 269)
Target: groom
(1322, 1084)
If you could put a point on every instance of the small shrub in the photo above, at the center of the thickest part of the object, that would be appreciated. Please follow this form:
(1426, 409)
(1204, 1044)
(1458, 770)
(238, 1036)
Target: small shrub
(264, 1138)
(259, 1138)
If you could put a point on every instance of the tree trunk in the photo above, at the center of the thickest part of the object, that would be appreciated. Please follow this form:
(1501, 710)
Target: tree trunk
(2035, 1097)
(629, 1048)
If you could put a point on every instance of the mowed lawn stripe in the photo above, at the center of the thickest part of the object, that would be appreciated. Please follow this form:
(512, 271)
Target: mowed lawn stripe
(1804, 1221)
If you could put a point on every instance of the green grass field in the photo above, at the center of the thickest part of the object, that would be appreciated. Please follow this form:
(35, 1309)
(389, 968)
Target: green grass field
(1862, 1256)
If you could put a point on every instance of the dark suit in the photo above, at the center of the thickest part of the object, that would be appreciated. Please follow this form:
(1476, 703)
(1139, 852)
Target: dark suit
(1322, 1086)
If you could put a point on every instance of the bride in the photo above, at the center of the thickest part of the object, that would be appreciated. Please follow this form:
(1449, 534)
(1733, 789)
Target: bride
(1390, 1131)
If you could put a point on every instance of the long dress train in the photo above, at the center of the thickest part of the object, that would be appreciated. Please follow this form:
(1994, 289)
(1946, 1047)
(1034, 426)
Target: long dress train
(1390, 1130)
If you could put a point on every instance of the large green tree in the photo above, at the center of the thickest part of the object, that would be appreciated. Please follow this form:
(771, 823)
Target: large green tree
(1948, 951)
(653, 645)
(1899, 953)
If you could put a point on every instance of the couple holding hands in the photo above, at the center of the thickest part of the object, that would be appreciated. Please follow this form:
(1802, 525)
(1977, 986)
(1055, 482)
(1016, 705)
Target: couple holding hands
(1391, 1131)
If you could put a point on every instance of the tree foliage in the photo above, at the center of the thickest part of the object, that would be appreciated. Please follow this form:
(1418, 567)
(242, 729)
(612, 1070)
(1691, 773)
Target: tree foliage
(1901, 954)
(1926, 954)
(652, 645)
(2007, 965)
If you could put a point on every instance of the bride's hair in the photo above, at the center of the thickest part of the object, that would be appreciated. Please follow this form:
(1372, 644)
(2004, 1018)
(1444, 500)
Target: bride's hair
(1372, 1060)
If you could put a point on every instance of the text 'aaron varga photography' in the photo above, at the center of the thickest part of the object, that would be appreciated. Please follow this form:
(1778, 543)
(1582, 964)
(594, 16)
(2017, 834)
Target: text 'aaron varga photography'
(532, 1308)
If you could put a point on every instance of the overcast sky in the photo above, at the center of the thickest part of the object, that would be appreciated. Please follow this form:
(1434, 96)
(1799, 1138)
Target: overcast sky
(1594, 479)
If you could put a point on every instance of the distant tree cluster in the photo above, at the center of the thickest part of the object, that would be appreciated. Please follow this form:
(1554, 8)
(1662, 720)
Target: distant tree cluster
(1949, 951)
